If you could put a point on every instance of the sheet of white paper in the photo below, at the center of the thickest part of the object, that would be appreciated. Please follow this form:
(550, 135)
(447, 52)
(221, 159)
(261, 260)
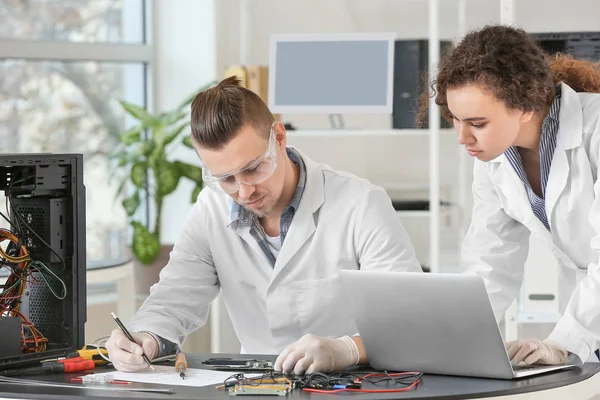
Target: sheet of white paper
(168, 376)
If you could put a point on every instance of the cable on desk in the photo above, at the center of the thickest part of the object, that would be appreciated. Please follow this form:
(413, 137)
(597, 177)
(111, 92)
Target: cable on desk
(338, 382)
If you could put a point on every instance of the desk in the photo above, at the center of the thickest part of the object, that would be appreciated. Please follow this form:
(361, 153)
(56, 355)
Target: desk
(583, 383)
(120, 271)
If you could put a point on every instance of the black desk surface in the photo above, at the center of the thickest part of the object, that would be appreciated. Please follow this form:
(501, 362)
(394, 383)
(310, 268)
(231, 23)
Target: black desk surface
(431, 387)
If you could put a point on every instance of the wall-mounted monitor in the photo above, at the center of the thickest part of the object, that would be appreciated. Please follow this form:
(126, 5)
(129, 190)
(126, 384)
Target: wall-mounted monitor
(331, 73)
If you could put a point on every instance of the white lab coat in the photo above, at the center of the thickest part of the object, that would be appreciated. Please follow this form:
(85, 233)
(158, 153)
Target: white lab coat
(342, 222)
(496, 244)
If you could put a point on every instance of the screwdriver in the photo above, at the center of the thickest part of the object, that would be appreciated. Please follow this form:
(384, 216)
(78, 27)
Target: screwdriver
(90, 353)
(180, 364)
(52, 367)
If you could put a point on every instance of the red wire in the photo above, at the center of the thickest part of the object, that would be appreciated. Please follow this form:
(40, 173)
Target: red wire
(415, 383)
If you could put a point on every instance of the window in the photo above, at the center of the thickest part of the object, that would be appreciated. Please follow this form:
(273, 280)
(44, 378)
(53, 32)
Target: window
(70, 104)
(89, 21)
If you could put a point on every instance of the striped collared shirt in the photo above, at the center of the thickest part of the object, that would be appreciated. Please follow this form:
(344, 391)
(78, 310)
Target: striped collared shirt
(245, 217)
(547, 147)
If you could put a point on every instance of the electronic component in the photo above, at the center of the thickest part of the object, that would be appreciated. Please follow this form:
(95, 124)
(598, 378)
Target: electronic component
(233, 364)
(239, 385)
(99, 379)
(254, 390)
(277, 383)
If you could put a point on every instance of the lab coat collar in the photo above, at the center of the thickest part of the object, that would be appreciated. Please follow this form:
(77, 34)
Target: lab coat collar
(304, 223)
(314, 192)
(500, 159)
(234, 211)
(569, 136)
(570, 130)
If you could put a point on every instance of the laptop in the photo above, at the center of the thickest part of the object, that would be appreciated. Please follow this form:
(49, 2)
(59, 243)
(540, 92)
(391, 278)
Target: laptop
(431, 323)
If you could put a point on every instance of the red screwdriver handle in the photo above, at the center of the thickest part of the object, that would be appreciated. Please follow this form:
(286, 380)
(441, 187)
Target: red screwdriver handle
(79, 366)
(71, 360)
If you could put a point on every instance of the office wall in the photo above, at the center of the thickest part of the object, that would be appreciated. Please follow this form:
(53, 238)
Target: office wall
(185, 51)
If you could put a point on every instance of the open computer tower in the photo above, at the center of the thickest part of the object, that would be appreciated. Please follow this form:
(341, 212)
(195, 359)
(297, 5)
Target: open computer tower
(42, 248)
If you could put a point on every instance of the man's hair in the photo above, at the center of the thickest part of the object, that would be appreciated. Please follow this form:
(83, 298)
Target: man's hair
(509, 64)
(218, 113)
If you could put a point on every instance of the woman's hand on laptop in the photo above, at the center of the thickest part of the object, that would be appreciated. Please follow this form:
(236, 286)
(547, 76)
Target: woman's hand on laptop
(319, 354)
(534, 351)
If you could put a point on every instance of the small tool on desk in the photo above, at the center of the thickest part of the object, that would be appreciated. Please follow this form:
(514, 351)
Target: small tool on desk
(126, 332)
(88, 352)
(91, 353)
(181, 364)
(61, 366)
(99, 379)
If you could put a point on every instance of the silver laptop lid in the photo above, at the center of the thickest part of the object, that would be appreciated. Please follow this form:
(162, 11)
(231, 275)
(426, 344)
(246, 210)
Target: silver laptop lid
(433, 323)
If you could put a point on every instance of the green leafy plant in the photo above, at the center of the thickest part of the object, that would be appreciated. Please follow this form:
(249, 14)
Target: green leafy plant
(142, 158)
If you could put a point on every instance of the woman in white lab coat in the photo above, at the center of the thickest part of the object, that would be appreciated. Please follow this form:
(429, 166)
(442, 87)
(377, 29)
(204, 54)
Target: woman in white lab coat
(532, 123)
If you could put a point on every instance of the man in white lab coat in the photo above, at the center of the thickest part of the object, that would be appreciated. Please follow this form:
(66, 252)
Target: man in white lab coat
(271, 233)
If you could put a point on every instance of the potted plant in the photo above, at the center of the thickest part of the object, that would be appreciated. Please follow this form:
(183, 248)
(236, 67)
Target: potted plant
(143, 160)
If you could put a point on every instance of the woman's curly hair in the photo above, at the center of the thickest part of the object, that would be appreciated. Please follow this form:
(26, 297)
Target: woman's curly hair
(509, 64)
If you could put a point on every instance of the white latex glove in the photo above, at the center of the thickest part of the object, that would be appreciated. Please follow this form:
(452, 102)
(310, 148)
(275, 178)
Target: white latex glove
(318, 354)
(534, 351)
(125, 355)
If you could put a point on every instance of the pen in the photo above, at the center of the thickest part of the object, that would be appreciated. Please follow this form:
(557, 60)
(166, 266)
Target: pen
(126, 332)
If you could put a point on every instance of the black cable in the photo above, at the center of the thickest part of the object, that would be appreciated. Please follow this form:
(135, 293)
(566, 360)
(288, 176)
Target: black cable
(10, 222)
(320, 380)
(237, 377)
(399, 380)
(14, 212)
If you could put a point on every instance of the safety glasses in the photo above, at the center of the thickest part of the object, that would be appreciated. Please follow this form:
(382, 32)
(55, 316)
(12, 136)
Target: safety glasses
(252, 174)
